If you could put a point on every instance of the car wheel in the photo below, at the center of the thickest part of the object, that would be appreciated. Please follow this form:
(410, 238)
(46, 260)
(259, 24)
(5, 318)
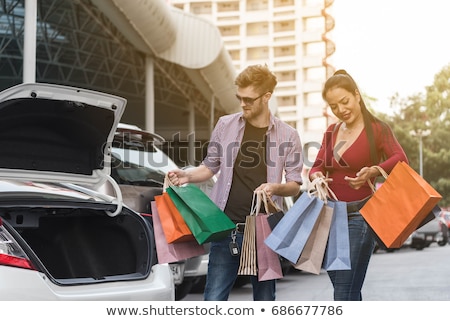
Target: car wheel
(445, 238)
(199, 285)
(183, 289)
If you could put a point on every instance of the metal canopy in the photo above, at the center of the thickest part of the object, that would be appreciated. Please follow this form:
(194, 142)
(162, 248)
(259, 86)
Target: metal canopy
(79, 45)
(181, 38)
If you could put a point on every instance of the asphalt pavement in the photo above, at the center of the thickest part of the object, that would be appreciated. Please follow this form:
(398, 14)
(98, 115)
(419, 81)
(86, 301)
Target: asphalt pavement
(403, 275)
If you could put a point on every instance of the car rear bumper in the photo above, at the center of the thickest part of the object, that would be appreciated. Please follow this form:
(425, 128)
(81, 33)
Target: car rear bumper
(28, 285)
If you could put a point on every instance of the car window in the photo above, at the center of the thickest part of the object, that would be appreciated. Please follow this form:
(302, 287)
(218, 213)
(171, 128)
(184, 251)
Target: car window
(128, 173)
(141, 153)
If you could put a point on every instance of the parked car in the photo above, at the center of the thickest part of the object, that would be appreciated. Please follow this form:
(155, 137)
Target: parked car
(139, 166)
(434, 231)
(61, 237)
(446, 216)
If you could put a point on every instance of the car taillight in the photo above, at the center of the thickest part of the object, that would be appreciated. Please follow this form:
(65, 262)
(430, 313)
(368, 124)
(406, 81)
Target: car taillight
(10, 252)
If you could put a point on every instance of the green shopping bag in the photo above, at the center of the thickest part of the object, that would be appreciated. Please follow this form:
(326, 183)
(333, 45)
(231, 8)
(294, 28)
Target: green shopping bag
(204, 218)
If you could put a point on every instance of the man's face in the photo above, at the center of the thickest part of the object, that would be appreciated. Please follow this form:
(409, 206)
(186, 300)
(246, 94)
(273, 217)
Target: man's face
(251, 101)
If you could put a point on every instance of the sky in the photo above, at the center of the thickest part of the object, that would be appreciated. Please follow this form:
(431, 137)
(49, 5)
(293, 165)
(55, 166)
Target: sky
(391, 46)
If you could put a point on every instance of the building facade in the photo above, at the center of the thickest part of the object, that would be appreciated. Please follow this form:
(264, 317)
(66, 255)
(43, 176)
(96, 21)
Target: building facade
(291, 37)
(181, 55)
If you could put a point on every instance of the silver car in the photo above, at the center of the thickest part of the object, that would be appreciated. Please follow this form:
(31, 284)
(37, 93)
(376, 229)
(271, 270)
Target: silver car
(61, 237)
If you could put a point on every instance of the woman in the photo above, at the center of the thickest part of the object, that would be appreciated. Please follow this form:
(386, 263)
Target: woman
(350, 148)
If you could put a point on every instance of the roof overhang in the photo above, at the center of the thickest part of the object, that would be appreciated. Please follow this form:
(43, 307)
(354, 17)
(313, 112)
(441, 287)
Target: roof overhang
(168, 33)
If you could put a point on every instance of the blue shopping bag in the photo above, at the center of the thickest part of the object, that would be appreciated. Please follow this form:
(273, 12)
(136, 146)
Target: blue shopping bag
(289, 236)
(337, 254)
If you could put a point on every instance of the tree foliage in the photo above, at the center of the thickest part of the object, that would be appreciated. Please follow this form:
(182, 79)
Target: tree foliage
(426, 113)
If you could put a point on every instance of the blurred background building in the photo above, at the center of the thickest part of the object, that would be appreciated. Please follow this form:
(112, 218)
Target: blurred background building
(174, 60)
(291, 37)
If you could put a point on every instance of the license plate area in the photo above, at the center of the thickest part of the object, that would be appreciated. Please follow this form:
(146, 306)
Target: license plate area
(177, 272)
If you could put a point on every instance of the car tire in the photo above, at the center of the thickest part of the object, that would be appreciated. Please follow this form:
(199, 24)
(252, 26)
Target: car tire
(199, 285)
(183, 289)
(445, 238)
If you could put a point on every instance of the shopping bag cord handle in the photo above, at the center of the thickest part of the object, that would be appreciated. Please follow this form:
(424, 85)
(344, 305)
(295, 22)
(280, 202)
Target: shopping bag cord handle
(319, 187)
(268, 201)
(167, 182)
(382, 171)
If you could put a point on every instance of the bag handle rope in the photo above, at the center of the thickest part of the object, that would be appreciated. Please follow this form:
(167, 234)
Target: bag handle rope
(167, 182)
(382, 171)
(319, 187)
(268, 202)
(256, 204)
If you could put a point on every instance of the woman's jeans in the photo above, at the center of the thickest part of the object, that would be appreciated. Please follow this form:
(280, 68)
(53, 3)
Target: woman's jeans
(222, 273)
(348, 283)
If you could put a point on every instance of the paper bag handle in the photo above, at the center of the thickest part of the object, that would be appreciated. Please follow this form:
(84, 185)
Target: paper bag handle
(167, 182)
(268, 201)
(382, 171)
(256, 204)
(319, 187)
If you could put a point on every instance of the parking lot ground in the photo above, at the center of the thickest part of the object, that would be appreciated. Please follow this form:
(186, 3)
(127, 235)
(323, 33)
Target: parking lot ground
(403, 275)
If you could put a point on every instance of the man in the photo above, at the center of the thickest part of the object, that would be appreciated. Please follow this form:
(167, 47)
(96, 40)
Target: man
(250, 150)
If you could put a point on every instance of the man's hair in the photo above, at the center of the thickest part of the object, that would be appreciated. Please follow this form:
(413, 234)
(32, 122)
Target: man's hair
(257, 76)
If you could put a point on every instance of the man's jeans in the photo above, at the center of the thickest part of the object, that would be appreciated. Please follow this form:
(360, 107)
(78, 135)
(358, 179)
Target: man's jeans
(222, 272)
(348, 283)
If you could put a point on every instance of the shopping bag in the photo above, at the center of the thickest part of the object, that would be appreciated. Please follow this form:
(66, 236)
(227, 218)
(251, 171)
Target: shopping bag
(273, 211)
(313, 253)
(172, 252)
(248, 263)
(399, 205)
(274, 218)
(268, 262)
(289, 236)
(173, 224)
(205, 219)
(337, 252)
(434, 213)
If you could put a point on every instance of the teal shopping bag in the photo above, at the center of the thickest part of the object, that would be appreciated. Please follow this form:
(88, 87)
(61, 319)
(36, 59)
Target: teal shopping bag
(204, 218)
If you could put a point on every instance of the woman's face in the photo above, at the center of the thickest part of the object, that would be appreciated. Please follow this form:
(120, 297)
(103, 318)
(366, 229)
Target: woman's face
(344, 104)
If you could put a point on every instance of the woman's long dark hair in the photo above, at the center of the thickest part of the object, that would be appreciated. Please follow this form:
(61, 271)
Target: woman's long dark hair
(341, 79)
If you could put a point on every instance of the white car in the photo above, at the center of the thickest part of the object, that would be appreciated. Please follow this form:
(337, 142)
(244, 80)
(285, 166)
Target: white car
(139, 167)
(61, 237)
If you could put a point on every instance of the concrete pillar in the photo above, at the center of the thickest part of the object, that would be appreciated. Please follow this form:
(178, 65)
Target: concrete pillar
(29, 40)
(149, 95)
(191, 135)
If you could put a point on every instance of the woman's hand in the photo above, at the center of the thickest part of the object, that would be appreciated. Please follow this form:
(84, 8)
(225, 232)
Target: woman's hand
(362, 177)
(320, 175)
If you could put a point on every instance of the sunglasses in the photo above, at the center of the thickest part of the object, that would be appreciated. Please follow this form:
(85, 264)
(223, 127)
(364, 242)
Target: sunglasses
(247, 100)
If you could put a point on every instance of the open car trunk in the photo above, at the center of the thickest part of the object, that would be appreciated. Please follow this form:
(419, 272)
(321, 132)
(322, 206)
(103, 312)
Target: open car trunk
(84, 245)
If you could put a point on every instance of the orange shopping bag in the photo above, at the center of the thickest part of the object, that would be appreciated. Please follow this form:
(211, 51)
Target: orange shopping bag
(399, 206)
(172, 222)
